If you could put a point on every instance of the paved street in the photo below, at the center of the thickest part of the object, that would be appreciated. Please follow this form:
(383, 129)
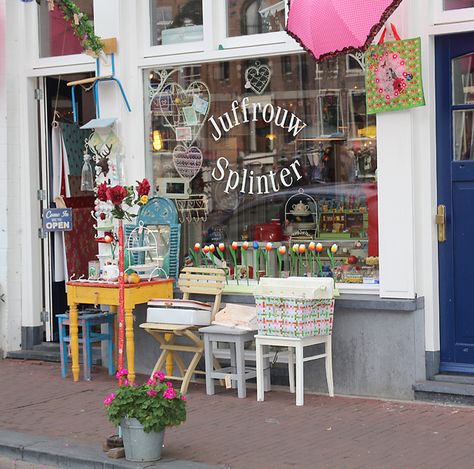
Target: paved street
(6, 463)
(341, 432)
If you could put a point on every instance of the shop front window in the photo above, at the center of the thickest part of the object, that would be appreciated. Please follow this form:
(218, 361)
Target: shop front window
(175, 21)
(56, 35)
(278, 150)
(457, 4)
(255, 16)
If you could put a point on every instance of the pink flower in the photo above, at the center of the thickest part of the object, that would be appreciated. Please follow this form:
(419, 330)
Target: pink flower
(183, 398)
(152, 392)
(126, 382)
(169, 393)
(169, 384)
(120, 373)
(159, 375)
(109, 399)
(151, 382)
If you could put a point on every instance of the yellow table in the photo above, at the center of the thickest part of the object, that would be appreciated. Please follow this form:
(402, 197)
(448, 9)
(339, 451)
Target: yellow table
(97, 293)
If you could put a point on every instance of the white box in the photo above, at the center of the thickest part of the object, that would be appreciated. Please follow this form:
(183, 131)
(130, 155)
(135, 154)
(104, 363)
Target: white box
(179, 312)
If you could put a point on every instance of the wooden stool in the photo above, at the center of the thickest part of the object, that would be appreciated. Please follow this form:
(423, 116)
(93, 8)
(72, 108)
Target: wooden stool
(238, 372)
(193, 280)
(87, 337)
(298, 344)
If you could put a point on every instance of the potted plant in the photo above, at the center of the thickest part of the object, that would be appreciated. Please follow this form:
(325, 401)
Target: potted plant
(144, 412)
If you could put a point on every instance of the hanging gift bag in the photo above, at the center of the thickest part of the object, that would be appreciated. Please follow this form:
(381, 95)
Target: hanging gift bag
(393, 74)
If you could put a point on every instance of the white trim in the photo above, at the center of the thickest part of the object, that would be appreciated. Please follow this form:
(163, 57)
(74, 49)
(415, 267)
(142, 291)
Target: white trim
(177, 49)
(217, 56)
(66, 70)
(64, 61)
(251, 40)
(451, 28)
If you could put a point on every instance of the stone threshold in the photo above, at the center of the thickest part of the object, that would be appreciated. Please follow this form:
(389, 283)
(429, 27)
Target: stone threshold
(61, 453)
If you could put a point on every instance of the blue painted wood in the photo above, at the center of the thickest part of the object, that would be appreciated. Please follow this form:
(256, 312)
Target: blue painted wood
(87, 337)
(162, 211)
(456, 191)
(158, 211)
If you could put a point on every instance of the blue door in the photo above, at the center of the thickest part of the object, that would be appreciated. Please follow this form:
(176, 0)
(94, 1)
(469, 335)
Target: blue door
(455, 174)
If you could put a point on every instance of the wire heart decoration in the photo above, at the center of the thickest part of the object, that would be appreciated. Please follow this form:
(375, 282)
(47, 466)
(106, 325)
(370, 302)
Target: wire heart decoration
(257, 77)
(187, 161)
(185, 110)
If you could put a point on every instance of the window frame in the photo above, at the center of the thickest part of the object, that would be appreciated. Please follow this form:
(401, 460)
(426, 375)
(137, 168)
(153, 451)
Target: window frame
(442, 16)
(31, 20)
(150, 50)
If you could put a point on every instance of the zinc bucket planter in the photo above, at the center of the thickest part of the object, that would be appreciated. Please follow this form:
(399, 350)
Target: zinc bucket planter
(139, 445)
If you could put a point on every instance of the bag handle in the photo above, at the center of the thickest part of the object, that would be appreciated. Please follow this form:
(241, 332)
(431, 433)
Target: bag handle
(394, 32)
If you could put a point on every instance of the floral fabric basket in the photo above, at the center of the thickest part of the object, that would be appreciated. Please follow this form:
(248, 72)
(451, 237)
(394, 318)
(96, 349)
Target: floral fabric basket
(294, 317)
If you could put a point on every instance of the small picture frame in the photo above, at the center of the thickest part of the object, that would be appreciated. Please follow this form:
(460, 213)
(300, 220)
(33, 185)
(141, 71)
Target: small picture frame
(190, 115)
(184, 134)
(200, 105)
(162, 103)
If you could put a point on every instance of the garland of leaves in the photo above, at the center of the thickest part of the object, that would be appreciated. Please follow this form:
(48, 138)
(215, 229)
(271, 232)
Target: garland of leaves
(81, 25)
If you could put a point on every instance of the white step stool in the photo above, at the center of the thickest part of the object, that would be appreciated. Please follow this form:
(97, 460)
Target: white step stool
(238, 371)
(298, 344)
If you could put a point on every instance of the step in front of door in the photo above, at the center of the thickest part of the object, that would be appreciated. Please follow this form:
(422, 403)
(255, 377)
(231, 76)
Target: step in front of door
(456, 391)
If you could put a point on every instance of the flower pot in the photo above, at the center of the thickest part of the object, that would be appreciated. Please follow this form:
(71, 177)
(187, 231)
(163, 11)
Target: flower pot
(140, 446)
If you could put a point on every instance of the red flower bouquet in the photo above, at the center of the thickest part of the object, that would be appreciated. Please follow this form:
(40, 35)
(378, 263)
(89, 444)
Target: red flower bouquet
(143, 187)
(124, 197)
(102, 192)
(116, 194)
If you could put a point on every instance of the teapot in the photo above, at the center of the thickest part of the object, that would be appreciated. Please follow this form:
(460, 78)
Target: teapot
(110, 273)
(300, 207)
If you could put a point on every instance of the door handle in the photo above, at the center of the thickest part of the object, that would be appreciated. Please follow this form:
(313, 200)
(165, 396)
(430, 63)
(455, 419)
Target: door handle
(440, 220)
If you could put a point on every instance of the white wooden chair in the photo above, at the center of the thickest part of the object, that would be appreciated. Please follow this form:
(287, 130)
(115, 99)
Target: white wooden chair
(193, 280)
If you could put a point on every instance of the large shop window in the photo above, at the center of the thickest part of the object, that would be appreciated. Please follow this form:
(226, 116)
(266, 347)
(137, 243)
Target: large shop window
(56, 35)
(175, 21)
(282, 149)
(254, 16)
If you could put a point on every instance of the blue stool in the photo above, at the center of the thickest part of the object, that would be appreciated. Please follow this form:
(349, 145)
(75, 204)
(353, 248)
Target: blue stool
(87, 337)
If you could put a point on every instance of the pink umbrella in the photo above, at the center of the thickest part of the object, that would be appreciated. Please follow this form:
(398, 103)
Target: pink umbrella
(327, 28)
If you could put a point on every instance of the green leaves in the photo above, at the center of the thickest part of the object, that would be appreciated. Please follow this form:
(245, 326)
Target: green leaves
(147, 403)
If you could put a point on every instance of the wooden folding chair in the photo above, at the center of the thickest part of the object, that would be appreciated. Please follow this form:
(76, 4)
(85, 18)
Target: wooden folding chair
(193, 280)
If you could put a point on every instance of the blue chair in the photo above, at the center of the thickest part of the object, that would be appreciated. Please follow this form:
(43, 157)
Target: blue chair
(87, 320)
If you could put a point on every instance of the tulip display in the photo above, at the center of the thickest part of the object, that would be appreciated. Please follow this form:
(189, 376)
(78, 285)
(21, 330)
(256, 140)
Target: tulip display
(280, 252)
(233, 248)
(243, 251)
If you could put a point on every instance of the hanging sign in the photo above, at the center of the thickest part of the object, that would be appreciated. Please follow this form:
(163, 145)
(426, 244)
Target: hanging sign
(57, 219)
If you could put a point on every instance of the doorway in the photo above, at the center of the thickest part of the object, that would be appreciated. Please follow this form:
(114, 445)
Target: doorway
(64, 254)
(455, 178)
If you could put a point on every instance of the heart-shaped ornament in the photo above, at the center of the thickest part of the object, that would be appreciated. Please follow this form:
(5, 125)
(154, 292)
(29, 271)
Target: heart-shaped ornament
(185, 107)
(187, 161)
(257, 77)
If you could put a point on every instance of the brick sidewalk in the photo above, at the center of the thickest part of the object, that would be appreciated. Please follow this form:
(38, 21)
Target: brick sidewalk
(341, 432)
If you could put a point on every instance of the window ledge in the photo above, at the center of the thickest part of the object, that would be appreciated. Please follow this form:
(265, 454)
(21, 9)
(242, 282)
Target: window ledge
(344, 301)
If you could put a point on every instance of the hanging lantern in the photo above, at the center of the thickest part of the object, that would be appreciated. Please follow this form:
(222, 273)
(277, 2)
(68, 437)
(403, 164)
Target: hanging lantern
(87, 178)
